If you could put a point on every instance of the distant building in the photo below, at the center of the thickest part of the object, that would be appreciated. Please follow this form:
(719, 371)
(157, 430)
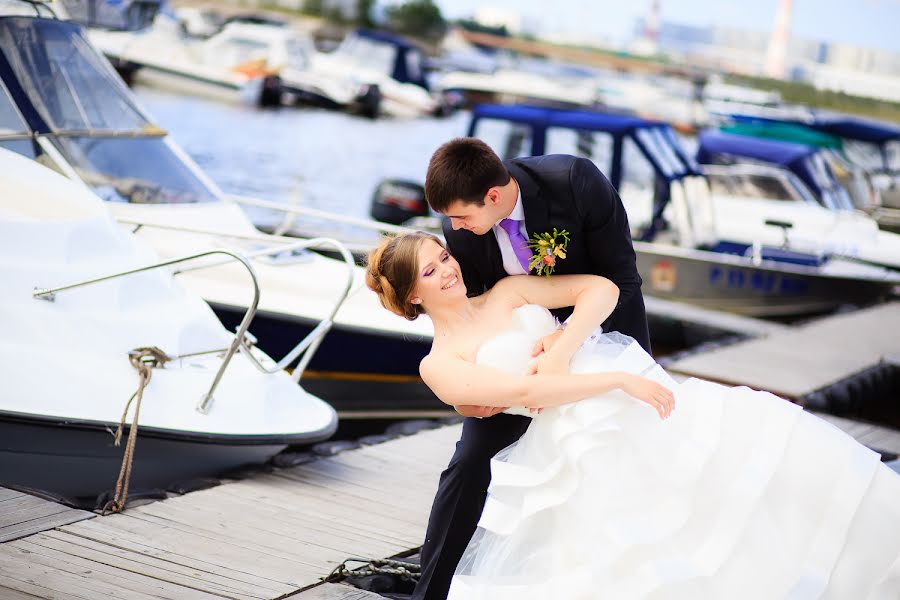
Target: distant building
(827, 65)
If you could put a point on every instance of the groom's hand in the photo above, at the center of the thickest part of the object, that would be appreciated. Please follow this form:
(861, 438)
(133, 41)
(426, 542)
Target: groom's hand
(468, 410)
(546, 343)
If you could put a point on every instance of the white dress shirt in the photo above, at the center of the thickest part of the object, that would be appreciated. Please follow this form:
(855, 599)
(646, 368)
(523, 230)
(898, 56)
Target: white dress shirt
(511, 263)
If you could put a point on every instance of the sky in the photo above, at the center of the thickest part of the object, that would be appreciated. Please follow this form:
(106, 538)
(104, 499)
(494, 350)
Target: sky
(867, 23)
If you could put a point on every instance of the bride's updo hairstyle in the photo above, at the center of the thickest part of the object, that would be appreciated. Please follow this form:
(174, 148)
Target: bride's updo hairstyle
(391, 272)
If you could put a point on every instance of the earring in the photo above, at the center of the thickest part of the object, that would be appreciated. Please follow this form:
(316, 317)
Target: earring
(416, 301)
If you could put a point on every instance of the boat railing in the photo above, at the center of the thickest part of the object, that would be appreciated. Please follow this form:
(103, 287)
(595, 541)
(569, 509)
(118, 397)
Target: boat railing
(313, 338)
(322, 214)
(49, 294)
(309, 344)
(306, 347)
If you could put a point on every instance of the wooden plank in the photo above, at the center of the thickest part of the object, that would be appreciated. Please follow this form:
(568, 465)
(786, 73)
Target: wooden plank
(122, 561)
(6, 494)
(293, 517)
(309, 506)
(31, 509)
(100, 573)
(144, 557)
(19, 567)
(175, 547)
(22, 515)
(11, 594)
(303, 544)
(805, 358)
(336, 591)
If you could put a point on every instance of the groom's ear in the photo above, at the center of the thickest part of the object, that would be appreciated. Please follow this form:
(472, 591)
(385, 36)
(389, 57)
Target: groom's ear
(492, 196)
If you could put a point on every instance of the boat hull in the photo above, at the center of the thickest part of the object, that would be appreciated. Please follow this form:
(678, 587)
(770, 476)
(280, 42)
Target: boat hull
(732, 284)
(80, 459)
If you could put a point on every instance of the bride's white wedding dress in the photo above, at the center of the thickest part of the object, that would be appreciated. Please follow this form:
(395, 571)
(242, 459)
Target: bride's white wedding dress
(739, 494)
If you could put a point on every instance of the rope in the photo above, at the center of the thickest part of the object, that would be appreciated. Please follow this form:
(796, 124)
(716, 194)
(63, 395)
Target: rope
(142, 359)
(406, 571)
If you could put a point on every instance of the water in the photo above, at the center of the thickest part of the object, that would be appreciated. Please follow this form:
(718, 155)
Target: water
(330, 160)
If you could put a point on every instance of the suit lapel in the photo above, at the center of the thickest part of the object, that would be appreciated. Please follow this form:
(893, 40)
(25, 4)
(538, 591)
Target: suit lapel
(537, 210)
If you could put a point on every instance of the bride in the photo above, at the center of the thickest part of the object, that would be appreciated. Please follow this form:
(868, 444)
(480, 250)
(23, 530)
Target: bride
(628, 484)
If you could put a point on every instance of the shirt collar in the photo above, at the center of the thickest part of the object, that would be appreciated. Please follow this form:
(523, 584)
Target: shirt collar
(518, 211)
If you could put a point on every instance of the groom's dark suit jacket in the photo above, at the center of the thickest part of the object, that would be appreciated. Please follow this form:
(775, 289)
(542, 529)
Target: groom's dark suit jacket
(569, 193)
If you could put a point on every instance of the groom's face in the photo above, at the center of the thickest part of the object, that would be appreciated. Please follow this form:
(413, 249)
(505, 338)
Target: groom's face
(477, 218)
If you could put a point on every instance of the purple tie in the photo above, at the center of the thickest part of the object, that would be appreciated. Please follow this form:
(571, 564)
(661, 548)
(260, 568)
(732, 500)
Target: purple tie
(517, 241)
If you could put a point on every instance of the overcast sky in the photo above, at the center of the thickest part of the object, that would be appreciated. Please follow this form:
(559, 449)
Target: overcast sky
(868, 23)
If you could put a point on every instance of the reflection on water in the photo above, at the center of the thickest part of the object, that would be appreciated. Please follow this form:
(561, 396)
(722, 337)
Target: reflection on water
(333, 160)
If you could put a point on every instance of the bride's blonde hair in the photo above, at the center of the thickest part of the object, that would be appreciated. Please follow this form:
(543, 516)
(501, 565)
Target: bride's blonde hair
(391, 272)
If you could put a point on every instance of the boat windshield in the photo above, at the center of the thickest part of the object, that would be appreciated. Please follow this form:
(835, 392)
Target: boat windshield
(750, 181)
(69, 83)
(11, 122)
(93, 120)
(379, 56)
(834, 196)
(14, 132)
(140, 170)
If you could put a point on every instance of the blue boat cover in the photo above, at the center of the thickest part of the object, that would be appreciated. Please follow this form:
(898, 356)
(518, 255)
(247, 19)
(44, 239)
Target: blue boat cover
(715, 143)
(404, 48)
(855, 128)
(571, 119)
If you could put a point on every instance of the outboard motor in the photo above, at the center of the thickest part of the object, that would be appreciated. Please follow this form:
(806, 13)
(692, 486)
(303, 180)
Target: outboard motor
(396, 201)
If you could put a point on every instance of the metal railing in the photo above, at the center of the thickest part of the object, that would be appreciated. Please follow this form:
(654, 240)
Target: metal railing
(49, 294)
(313, 338)
(308, 344)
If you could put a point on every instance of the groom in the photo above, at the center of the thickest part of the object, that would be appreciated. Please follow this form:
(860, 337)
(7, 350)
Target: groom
(492, 208)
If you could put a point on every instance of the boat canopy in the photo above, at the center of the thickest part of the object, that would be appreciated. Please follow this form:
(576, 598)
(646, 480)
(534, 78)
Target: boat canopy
(785, 132)
(57, 90)
(655, 139)
(855, 128)
(409, 62)
(805, 161)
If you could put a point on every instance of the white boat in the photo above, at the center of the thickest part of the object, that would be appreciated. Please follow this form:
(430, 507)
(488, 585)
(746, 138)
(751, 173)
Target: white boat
(65, 362)
(240, 63)
(368, 363)
(383, 60)
(509, 86)
(827, 224)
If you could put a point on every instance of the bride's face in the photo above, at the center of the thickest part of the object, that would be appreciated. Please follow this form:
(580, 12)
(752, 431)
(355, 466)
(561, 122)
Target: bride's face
(438, 278)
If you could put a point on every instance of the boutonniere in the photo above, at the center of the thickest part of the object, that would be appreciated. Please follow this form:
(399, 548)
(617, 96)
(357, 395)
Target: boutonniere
(546, 249)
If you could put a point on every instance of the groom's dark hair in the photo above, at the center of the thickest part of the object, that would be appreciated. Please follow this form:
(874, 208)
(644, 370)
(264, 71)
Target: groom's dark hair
(462, 169)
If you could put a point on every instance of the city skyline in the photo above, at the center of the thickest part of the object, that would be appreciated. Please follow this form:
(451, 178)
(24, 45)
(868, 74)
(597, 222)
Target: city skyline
(870, 24)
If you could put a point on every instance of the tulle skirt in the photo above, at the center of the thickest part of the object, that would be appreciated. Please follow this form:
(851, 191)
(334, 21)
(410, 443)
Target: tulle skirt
(739, 494)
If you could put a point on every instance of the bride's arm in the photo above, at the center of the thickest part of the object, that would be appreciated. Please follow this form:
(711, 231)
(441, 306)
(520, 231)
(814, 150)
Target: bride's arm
(458, 382)
(593, 298)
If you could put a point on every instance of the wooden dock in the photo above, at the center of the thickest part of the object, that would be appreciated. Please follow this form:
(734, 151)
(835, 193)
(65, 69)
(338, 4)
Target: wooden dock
(274, 535)
(800, 360)
(268, 536)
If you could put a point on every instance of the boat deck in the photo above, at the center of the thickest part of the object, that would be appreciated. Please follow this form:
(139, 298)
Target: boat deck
(273, 535)
(800, 360)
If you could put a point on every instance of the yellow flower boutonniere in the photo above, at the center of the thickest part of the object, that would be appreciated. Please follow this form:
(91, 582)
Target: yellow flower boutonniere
(547, 248)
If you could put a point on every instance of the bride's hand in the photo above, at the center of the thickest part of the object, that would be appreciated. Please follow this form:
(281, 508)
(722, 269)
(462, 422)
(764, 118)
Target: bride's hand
(658, 396)
(548, 363)
(546, 343)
